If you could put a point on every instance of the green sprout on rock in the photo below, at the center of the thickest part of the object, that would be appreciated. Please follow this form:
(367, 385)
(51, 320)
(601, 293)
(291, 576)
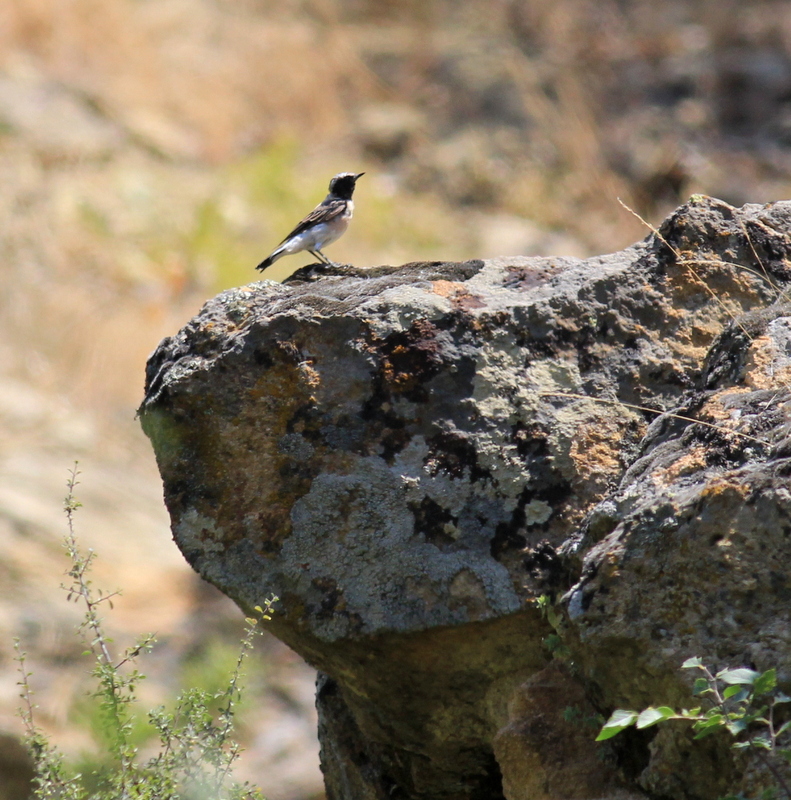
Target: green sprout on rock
(743, 702)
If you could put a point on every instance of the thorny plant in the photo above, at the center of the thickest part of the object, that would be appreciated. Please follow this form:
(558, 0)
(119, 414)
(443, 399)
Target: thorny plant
(197, 750)
(743, 703)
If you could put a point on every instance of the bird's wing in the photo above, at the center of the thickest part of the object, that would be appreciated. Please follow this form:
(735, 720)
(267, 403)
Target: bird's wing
(322, 213)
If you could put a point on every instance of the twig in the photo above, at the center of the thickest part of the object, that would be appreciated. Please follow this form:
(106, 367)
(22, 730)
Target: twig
(97, 641)
(654, 411)
(682, 261)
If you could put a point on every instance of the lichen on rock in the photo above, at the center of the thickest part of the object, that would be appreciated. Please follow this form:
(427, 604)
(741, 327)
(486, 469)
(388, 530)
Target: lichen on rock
(408, 457)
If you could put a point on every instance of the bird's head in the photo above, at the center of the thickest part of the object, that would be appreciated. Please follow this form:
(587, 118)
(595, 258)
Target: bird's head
(342, 185)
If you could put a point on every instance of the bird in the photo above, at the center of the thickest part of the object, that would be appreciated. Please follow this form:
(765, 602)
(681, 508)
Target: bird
(326, 223)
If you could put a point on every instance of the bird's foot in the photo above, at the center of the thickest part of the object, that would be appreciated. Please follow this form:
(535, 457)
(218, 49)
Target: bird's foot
(312, 272)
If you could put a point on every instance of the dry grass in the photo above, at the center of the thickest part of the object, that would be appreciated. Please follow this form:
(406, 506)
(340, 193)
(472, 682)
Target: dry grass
(190, 78)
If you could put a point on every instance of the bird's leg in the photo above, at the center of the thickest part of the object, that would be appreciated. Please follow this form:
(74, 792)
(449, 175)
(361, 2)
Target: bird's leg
(324, 258)
(319, 256)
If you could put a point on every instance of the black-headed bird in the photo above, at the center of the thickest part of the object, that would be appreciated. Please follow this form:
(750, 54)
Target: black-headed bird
(324, 225)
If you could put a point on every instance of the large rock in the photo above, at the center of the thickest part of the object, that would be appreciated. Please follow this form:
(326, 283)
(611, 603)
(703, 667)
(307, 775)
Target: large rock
(391, 453)
(692, 554)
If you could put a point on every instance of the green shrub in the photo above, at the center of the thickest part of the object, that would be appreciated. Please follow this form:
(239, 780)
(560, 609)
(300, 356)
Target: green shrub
(743, 702)
(196, 746)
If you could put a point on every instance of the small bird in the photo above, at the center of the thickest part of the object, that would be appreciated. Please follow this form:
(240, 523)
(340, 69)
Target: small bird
(326, 223)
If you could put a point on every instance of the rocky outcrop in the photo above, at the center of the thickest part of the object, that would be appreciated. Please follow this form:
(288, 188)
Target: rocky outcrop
(408, 457)
(690, 555)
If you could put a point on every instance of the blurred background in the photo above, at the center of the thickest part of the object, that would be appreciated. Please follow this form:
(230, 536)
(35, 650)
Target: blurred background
(153, 151)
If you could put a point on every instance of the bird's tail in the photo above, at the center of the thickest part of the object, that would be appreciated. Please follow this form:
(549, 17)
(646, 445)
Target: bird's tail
(267, 262)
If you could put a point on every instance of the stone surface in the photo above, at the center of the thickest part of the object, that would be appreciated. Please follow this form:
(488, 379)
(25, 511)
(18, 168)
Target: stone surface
(390, 452)
(16, 769)
(547, 748)
(696, 558)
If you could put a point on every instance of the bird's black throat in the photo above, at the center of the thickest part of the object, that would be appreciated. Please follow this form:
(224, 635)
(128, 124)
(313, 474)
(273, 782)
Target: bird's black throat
(342, 186)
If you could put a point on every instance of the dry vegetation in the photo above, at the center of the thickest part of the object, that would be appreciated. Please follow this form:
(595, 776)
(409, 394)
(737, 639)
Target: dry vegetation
(151, 151)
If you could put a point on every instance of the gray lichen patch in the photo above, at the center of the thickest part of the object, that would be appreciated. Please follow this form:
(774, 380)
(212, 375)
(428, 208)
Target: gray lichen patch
(410, 456)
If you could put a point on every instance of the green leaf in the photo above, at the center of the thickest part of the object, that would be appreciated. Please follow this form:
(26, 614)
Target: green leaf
(621, 716)
(650, 716)
(783, 728)
(757, 715)
(765, 682)
(707, 726)
(608, 733)
(737, 692)
(619, 719)
(762, 742)
(690, 663)
(781, 697)
(740, 676)
(701, 685)
(736, 727)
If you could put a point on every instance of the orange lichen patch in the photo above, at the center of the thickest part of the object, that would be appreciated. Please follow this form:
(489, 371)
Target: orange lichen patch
(730, 292)
(760, 371)
(724, 490)
(691, 462)
(690, 338)
(688, 351)
(758, 364)
(693, 337)
(400, 380)
(445, 288)
(610, 563)
(699, 267)
(309, 375)
(595, 452)
(714, 409)
(457, 294)
(692, 276)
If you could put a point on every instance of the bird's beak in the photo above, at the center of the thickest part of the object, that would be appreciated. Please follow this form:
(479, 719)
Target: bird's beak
(357, 177)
